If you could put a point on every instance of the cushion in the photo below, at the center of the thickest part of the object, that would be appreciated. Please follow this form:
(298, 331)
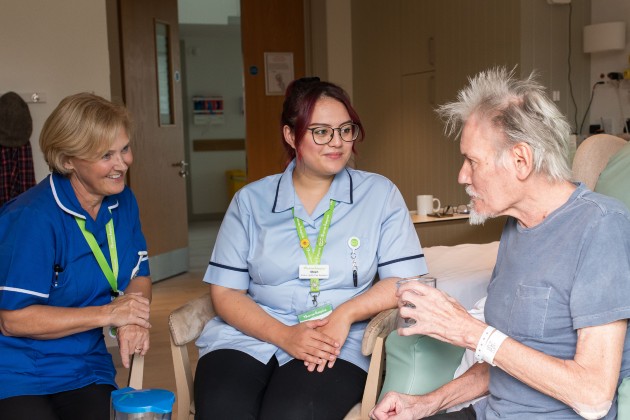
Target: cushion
(613, 181)
(418, 364)
(623, 400)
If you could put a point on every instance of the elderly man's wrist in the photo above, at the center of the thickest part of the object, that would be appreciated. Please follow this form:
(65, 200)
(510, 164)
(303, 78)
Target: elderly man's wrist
(427, 404)
(488, 345)
(473, 335)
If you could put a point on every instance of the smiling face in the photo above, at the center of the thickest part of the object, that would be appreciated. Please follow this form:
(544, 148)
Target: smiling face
(92, 180)
(488, 183)
(323, 161)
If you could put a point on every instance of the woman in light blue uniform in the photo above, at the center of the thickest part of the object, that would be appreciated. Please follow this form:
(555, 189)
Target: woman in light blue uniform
(69, 247)
(293, 269)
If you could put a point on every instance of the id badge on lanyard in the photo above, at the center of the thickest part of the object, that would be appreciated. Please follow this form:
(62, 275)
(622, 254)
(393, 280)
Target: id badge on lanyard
(314, 271)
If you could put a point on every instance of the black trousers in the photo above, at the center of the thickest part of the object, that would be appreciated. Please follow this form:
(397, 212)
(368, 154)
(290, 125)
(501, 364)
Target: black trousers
(232, 385)
(88, 403)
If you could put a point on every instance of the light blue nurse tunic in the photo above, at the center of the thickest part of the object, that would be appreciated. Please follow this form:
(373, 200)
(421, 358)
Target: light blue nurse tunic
(258, 250)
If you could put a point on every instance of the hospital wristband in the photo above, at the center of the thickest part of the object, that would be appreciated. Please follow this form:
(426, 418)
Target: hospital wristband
(482, 343)
(492, 346)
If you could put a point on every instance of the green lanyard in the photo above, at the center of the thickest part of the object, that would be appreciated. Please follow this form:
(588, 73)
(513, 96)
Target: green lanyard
(314, 257)
(110, 273)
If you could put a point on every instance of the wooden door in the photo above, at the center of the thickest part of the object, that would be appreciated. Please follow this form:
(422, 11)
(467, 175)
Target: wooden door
(149, 35)
(267, 26)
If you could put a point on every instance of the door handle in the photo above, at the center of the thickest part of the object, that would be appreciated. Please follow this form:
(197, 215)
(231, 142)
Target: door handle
(182, 164)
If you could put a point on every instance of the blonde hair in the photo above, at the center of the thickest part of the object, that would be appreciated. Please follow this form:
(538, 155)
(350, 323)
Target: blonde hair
(84, 126)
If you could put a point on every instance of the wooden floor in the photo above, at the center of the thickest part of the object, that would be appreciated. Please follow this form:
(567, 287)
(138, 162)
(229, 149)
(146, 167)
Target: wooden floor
(168, 295)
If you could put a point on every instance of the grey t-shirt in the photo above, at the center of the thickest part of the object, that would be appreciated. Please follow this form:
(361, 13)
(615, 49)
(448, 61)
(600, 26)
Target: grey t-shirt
(569, 272)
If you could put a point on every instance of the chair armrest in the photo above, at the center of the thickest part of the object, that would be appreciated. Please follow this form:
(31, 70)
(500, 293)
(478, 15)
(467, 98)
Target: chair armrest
(136, 373)
(374, 380)
(381, 325)
(187, 321)
(183, 380)
(185, 325)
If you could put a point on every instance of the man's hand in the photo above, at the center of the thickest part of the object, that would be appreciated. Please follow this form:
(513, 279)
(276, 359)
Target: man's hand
(437, 315)
(397, 406)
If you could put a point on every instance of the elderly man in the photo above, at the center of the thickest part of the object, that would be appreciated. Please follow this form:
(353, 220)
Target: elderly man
(555, 343)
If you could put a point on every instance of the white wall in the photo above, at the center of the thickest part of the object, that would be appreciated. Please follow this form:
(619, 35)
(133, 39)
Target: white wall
(214, 67)
(611, 101)
(54, 47)
(546, 46)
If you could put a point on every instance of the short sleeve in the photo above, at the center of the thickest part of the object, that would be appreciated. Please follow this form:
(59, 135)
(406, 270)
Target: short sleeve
(601, 293)
(399, 250)
(228, 264)
(27, 258)
(138, 239)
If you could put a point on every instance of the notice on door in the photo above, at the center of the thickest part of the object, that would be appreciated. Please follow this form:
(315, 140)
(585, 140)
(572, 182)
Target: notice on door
(278, 72)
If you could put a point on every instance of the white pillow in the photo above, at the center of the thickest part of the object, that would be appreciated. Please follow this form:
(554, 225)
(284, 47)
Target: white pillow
(468, 359)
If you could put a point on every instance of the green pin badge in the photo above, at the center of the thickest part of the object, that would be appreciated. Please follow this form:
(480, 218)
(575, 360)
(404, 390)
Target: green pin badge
(354, 243)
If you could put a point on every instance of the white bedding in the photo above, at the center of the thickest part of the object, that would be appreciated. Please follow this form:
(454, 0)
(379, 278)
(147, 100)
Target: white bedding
(462, 271)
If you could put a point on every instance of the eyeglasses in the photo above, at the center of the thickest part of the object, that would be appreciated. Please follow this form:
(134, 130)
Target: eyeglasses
(324, 135)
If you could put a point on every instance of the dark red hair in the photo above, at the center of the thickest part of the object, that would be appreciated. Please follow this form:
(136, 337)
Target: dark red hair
(299, 103)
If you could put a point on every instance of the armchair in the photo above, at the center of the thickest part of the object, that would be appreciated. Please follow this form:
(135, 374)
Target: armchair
(186, 323)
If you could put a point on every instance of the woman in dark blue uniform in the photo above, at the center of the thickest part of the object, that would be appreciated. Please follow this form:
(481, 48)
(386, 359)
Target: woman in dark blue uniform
(72, 261)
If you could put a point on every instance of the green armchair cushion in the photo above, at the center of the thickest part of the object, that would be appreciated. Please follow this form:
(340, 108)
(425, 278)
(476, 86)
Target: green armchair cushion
(623, 400)
(613, 180)
(418, 364)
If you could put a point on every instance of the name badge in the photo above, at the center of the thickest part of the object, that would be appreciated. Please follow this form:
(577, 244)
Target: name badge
(318, 312)
(313, 271)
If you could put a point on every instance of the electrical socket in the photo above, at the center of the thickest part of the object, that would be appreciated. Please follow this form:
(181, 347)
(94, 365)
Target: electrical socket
(615, 75)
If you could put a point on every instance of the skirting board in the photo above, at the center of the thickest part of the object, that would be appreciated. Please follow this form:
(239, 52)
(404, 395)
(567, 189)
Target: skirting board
(168, 264)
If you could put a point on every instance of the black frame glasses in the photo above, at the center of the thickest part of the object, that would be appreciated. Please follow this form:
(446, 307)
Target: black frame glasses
(347, 132)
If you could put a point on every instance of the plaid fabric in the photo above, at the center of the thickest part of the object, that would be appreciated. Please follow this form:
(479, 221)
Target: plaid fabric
(16, 171)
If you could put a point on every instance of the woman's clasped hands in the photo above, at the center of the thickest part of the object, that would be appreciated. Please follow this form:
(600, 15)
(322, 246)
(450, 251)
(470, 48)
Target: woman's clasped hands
(129, 313)
(305, 342)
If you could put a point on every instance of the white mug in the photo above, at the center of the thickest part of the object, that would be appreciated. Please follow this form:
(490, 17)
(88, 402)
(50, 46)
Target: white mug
(426, 204)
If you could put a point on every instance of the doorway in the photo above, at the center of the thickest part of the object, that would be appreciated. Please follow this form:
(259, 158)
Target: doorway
(150, 86)
(263, 30)
(213, 104)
